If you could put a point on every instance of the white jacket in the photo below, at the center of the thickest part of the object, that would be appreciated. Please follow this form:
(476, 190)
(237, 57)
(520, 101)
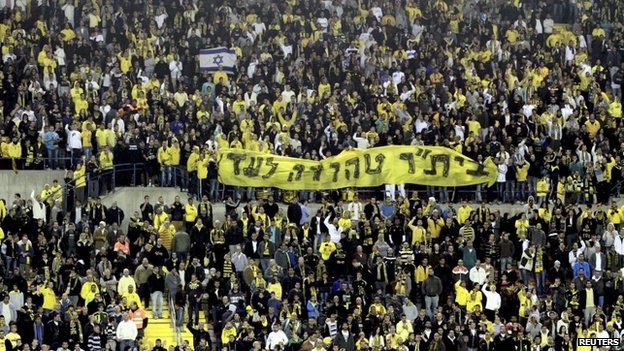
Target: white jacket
(618, 242)
(478, 275)
(527, 260)
(334, 233)
(39, 209)
(127, 330)
(275, 338)
(493, 301)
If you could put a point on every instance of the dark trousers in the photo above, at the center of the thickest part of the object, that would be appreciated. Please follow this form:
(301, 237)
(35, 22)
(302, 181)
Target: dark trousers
(191, 186)
(144, 293)
(76, 155)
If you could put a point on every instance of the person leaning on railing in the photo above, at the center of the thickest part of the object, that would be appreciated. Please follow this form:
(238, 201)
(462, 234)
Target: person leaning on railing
(106, 160)
(80, 180)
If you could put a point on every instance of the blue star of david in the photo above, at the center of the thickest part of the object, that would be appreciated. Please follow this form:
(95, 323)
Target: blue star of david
(217, 60)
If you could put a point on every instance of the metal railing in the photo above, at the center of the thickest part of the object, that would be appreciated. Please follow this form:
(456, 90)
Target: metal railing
(35, 164)
(133, 174)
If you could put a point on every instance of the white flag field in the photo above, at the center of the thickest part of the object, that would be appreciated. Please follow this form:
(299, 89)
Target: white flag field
(211, 59)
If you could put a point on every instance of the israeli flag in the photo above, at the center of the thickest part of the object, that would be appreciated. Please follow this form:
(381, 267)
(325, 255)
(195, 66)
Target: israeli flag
(211, 59)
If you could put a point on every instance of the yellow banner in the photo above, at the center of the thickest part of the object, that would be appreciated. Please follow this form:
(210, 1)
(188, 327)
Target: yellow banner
(424, 165)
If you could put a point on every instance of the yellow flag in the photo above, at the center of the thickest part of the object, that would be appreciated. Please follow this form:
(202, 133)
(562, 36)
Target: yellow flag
(424, 165)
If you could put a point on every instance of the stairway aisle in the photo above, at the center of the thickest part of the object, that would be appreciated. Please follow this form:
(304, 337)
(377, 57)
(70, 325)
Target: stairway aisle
(164, 330)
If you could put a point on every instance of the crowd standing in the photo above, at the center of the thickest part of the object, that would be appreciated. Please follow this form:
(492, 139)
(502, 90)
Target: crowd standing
(536, 85)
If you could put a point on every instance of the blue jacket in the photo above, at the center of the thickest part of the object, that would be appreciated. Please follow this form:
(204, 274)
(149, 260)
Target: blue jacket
(584, 265)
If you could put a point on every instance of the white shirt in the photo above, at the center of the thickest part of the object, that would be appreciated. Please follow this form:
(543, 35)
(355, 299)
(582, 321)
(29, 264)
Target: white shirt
(323, 22)
(59, 56)
(39, 210)
(5, 309)
(397, 77)
(287, 95)
(608, 237)
(460, 131)
(318, 225)
(573, 254)
(182, 275)
(355, 208)
(92, 84)
(539, 29)
(566, 111)
(377, 12)
(618, 242)
(569, 53)
(502, 171)
(68, 9)
(275, 338)
(493, 302)
(121, 125)
(334, 233)
(421, 125)
(251, 69)
(104, 110)
(160, 20)
(286, 49)
(78, 213)
(503, 154)
(582, 42)
(598, 260)
(333, 327)
(417, 31)
(528, 110)
(74, 139)
(175, 67)
(548, 25)
(126, 330)
(250, 97)
(406, 95)
(212, 145)
(259, 28)
(362, 143)
(478, 275)
(8, 56)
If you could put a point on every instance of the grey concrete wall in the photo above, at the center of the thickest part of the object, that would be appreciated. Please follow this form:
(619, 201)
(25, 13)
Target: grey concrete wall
(130, 198)
(25, 181)
(127, 198)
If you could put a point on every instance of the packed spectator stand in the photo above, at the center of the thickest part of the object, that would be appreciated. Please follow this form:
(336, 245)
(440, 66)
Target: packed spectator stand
(112, 92)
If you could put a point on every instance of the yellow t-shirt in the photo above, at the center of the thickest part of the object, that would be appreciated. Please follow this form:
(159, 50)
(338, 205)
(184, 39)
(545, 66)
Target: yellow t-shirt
(592, 128)
(80, 178)
(125, 64)
(86, 138)
(275, 288)
(323, 88)
(589, 302)
(220, 75)
(463, 214)
(326, 249)
(512, 36)
(474, 127)
(49, 298)
(190, 213)
(522, 172)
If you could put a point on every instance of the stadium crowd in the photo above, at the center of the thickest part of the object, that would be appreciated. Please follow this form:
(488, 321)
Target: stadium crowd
(536, 85)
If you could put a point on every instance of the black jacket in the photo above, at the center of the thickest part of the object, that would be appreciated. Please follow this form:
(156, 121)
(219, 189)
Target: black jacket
(347, 344)
(294, 213)
(318, 222)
